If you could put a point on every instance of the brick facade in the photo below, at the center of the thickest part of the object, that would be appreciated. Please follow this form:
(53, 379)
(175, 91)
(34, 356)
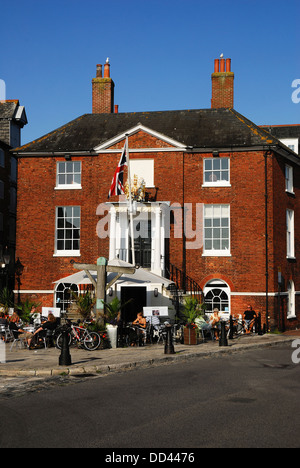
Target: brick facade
(244, 270)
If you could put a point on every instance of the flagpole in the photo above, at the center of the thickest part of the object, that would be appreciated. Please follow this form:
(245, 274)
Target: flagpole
(130, 204)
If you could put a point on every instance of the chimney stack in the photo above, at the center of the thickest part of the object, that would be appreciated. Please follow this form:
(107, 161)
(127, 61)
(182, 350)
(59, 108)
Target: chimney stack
(222, 84)
(103, 91)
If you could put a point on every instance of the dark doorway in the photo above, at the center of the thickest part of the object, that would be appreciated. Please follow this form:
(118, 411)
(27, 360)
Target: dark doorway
(139, 300)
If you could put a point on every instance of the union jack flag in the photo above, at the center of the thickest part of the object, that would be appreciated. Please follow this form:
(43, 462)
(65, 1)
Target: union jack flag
(117, 187)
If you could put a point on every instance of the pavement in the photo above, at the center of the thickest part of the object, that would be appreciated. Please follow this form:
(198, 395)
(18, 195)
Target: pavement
(44, 363)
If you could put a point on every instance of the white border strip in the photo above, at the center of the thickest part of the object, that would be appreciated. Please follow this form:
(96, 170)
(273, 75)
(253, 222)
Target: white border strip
(29, 291)
(136, 129)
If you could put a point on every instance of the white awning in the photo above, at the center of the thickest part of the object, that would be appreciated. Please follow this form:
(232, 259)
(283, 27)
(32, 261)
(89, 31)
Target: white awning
(141, 276)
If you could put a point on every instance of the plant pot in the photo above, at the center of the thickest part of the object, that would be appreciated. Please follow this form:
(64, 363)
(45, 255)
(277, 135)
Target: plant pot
(112, 331)
(190, 336)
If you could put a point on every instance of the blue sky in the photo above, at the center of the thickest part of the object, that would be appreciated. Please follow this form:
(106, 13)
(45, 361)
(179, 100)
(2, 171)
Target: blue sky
(161, 54)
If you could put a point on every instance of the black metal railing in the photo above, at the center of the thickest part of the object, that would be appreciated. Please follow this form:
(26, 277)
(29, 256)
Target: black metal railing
(184, 283)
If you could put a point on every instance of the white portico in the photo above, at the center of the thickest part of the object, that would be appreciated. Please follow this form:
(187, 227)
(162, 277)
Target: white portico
(150, 231)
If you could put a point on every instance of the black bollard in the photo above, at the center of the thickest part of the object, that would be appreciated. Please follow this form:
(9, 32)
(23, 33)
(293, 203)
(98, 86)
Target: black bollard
(259, 330)
(169, 347)
(65, 356)
(223, 339)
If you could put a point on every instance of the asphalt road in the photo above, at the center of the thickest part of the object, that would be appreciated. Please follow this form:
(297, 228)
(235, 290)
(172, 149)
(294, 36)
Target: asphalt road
(249, 399)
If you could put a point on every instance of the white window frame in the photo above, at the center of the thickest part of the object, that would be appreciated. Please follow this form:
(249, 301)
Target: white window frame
(63, 297)
(291, 306)
(212, 287)
(72, 185)
(289, 179)
(215, 182)
(225, 252)
(290, 234)
(61, 226)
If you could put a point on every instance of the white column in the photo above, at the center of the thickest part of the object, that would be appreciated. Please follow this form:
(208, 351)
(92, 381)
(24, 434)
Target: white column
(112, 234)
(157, 243)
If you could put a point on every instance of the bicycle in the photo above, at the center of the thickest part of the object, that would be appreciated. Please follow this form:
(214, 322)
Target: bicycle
(238, 328)
(80, 336)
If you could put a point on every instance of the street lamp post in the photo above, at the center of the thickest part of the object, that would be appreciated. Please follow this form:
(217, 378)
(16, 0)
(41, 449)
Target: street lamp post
(4, 262)
(19, 270)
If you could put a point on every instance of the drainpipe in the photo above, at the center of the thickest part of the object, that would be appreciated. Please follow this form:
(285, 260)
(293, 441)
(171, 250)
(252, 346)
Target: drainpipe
(184, 225)
(267, 238)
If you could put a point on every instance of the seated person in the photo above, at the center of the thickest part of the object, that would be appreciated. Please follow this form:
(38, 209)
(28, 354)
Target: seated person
(51, 325)
(155, 321)
(14, 326)
(3, 320)
(140, 324)
(35, 317)
(140, 321)
(214, 323)
(202, 324)
(249, 317)
(15, 318)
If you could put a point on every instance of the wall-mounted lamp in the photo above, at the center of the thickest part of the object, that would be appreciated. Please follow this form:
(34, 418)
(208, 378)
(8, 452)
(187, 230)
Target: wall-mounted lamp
(155, 292)
(110, 292)
(6, 256)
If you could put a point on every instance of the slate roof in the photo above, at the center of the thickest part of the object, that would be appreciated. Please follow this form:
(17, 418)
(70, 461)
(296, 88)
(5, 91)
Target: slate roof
(202, 128)
(11, 109)
(283, 131)
(8, 109)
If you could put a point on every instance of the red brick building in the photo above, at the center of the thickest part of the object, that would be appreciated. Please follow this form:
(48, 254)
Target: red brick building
(220, 210)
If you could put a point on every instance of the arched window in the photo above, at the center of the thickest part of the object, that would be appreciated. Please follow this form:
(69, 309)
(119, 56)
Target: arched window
(63, 295)
(291, 300)
(216, 295)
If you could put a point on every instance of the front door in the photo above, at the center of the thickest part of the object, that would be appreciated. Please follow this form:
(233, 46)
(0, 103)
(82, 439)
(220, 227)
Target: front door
(142, 244)
(138, 299)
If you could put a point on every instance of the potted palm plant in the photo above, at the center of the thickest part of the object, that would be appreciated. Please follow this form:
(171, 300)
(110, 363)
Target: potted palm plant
(85, 303)
(192, 310)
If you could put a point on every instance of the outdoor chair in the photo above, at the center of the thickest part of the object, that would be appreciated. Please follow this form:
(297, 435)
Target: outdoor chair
(44, 337)
(141, 337)
(206, 330)
(18, 339)
(159, 333)
(9, 337)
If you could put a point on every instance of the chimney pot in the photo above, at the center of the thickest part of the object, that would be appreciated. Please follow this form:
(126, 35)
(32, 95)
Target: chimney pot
(99, 71)
(107, 70)
(116, 109)
(228, 65)
(217, 65)
(222, 65)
